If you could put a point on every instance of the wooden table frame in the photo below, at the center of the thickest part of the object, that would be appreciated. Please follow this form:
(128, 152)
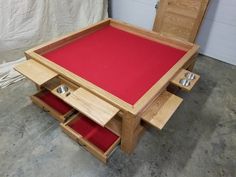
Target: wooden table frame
(131, 127)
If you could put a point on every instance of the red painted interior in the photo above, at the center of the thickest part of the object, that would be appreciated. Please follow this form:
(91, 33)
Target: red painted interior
(121, 63)
(94, 133)
(53, 101)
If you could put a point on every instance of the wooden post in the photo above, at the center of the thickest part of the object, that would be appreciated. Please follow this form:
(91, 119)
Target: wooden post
(131, 131)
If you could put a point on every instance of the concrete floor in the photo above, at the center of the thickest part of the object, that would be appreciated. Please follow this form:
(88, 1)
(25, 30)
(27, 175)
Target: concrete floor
(199, 140)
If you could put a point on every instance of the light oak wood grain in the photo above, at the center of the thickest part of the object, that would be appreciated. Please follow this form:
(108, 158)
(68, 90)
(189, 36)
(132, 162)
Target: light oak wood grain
(35, 71)
(180, 19)
(95, 108)
(161, 110)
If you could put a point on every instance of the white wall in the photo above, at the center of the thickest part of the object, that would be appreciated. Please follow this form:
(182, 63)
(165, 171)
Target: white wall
(217, 35)
(137, 12)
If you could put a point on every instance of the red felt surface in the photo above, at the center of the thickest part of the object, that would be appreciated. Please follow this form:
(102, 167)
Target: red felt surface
(54, 102)
(121, 63)
(94, 133)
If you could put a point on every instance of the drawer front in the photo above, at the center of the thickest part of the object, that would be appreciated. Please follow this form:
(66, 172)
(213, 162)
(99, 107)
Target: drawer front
(98, 140)
(36, 72)
(46, 101)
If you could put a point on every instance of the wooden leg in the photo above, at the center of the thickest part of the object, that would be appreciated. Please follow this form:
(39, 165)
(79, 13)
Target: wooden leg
(191, 66)
(37, 87)
(131, 131)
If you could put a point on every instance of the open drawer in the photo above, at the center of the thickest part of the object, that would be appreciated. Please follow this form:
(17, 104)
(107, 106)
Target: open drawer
(98, 140)
(35, 71)
(53, 105)
(161, 110)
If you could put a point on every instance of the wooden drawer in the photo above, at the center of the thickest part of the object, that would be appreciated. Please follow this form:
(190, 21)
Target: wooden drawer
(53, 105)
(98, 140)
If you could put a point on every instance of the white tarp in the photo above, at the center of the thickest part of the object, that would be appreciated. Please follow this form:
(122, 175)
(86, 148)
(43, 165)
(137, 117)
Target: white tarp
(26, 23)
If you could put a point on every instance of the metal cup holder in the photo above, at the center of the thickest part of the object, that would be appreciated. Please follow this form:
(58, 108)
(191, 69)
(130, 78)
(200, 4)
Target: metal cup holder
(189, 76)
(62, 89)
(184, 82)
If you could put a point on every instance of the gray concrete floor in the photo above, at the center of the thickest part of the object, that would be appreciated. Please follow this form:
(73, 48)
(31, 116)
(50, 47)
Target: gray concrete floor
(199, 140)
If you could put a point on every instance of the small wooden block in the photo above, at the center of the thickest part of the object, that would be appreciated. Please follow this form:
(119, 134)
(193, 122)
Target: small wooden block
(35, 72)
(181, 75)
(93, 107)
(161, 110)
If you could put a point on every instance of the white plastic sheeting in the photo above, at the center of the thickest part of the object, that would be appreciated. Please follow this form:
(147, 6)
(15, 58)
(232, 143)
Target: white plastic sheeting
(8, 75)
(26, 23)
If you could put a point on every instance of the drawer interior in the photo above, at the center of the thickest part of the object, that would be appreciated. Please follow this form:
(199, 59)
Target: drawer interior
(98, 140)
(99, 136)
(53, 105)
(54, 102)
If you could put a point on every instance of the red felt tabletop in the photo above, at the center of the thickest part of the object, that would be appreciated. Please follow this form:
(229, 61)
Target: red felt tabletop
(121, 63)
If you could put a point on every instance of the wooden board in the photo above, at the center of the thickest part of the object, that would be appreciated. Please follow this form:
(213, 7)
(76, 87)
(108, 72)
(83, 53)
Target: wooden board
(93, 107)
(181, 75)
(161, 110)
(35, 71)
(180, 18)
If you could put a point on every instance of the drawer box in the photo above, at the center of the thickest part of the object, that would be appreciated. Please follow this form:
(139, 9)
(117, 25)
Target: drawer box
(53, 105)
(98, 140)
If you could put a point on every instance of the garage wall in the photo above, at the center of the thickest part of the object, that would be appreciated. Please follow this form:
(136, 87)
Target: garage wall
(217, 35)
(137, 12)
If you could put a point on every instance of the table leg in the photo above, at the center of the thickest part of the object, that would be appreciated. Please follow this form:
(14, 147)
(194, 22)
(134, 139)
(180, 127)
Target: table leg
(131, 132)
(37, 87)
(191, 66)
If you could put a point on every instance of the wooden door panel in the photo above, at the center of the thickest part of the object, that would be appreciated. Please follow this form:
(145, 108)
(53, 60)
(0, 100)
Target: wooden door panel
(180, 18)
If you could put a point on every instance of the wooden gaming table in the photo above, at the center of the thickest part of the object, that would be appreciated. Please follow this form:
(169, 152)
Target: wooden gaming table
(115, 78)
